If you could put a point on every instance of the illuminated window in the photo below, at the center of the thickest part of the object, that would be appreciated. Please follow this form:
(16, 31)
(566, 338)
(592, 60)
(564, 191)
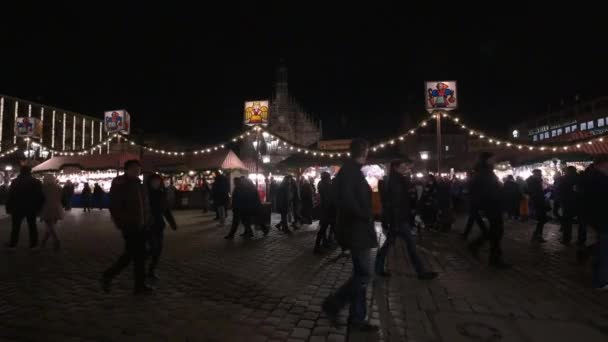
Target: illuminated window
(553, 133)
(601, 122)
(574, 128)
(541, 136)
(534, 138)
(567, 129)
(546, 135)
(560, 131)
(590, 125)
(583, 126)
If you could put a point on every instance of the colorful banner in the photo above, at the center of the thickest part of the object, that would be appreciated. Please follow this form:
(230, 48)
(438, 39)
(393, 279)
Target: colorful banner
(256, 113)
(28, 127)
(117, 121)
(441, 95)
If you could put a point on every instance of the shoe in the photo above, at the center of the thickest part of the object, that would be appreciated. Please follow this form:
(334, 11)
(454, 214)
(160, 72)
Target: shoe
(364, 327)
(146, 289)
(229, 237)
(106, 284)
(383, 274)
(153, 275)
(500, 265)
(330, 311)
(602, 288)
(427, 275)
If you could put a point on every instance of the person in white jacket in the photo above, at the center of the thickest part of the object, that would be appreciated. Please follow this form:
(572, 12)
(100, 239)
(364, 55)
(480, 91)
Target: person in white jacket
(52, 209)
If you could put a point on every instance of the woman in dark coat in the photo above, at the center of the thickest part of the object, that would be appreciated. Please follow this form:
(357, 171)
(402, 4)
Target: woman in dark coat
(159, 209)
(98, 196)
(306, 201)
(85, 197)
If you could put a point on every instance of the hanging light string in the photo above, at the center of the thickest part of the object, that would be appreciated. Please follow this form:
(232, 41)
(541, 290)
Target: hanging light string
(11, 150)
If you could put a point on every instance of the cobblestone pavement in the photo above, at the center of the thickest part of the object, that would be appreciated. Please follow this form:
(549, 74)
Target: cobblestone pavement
(271, 289)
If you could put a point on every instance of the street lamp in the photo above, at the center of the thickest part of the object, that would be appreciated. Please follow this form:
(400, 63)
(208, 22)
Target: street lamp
(424, 155)
(8, 168)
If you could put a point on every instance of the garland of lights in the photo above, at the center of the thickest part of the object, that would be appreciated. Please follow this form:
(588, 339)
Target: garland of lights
(295, 148)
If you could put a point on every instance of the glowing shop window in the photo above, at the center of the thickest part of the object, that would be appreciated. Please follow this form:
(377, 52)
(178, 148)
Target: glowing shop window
(534, 138)
(540, 137)
(568, 129)
(546, 135)
(601, 122)
(560, 131)
(553, 133)
(590, 125)
(583, 126)
(574, 128)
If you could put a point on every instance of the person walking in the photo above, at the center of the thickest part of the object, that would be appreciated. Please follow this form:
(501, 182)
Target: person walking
(512, 197)
(67, 194)
(98, 194)
(306, 201)
(328, 213)
(221, 197)
(24, 201)
(206, 195)
(52, 210)
(160, 211)
(474, 215)
(594, 187)
(400, 202)
(251, 208)
(284, 203)
(238, 203)
(295, 203)
(130, 211)
(567, 193)
(486, 188)
(539, 204)
(354, 231)
(85, 198)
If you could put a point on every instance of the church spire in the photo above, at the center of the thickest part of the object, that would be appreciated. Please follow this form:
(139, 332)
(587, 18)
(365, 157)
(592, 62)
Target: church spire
(281, 78)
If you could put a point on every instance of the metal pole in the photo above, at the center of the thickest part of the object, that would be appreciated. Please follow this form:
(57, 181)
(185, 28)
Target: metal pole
(438, 119)
(29, 153)
(257, 157)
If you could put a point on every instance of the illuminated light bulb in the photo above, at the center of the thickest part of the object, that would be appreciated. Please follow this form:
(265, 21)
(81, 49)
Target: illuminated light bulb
(423, 123)
(221, 146)
(182, 153)
(306, 152)
(530, 148)
(381, 145)
(497, 142)
(412, 132)
(374, 149)
(542, 148)
(348, 154)
(590, 143)
(601, 139)
(578, 145)
(566, 148)
(401, 138)
(163, 152)
(456, 119)
(508, 144)
(299, 150)
(234, 139)
(481, 137)
(215, 148)
(519, 147)
(132, 143)
(554, 149)
(491, 141)
(195, 152)
(291, 148)
(445, 115)
(208, 150)
(322, 154)
(247, 133)
(471, 133)
(241, 137)
(314, 153)
(392, 142)
(463, 126)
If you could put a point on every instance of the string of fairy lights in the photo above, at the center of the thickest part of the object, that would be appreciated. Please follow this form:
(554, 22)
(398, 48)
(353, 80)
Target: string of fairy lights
(295, 148)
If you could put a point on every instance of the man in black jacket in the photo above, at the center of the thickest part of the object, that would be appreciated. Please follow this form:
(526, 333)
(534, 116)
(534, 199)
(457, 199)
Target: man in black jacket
(328, 212)
(237, 205)
(355, 231)
(567, 193)
(25, 200)
(485, 190)
(399, 204)
(539, 204)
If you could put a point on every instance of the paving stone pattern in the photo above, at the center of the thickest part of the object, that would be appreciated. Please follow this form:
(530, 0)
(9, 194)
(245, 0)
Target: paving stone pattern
(271, 289)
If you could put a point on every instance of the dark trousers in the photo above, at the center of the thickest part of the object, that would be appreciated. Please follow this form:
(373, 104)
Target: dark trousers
(494, 235)
(354, 290)
(541, 220)
(155, 242)
(322, 237)
(284, 225)
(135, 250)
(31, 223)
(474, 217)
(238, 218)
(405, 233)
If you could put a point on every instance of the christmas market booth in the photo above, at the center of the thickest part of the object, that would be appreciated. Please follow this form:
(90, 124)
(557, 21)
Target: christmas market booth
(85, 169)
(185, 175)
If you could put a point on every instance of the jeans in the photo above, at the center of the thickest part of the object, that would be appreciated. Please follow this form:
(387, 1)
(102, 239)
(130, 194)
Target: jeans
(31, 223)
(354, 290)
(600, 264)
(135, 250)
(494, 234)
(221, 212)
(404, 232)
(155, 240)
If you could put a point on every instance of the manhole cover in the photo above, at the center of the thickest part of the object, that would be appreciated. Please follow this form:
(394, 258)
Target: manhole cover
(479, 331)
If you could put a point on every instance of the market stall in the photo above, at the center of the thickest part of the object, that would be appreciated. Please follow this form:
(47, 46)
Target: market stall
(85, 169)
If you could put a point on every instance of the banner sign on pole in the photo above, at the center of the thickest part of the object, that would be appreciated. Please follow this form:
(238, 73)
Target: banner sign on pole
(256, 113)
(28, 127)
(117, 121)
(441, 95)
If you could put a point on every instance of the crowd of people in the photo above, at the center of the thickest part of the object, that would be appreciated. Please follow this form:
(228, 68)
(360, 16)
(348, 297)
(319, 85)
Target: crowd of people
(343, 206)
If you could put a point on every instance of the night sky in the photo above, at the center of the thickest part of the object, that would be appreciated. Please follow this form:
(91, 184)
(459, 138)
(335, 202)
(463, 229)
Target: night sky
(186, 71)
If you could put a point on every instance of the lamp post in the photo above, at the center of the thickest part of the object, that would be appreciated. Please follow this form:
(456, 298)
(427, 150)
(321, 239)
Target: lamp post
(439, 151)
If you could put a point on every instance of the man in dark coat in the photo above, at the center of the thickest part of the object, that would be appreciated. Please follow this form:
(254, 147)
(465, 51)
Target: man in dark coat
(130, 211)
(567, 193)
(354, 231)
(594, 187)
(539, 204)
(221, 196)
(25, 200)
(284, 202)
(485, 190)
(328, 212)
(399, 203)
(474, 215)
(512, 197)
(238, 206)
(160, 211)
